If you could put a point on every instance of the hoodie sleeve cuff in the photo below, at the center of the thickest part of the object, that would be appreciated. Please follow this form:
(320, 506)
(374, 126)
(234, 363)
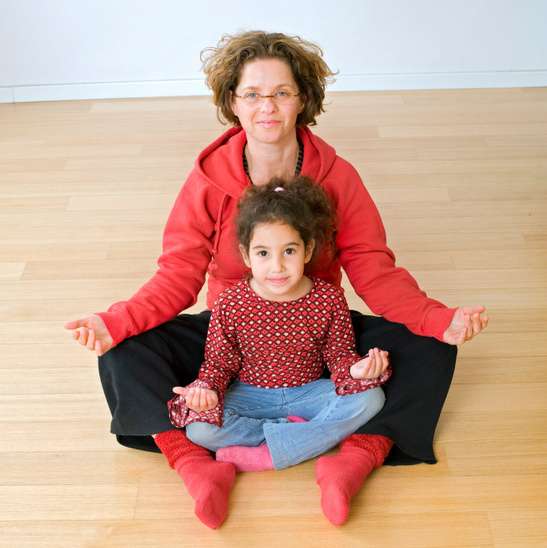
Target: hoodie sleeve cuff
(437, 320)
(118, 325)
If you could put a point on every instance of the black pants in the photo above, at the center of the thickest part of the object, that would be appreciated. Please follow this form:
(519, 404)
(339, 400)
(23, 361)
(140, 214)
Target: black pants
(138, 376)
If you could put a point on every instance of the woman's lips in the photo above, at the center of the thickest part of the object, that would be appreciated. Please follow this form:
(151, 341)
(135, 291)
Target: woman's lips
(268, 123)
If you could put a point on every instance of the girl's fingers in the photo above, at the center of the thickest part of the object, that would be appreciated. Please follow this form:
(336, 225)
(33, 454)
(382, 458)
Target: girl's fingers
(203, 399)
(376, 363)
(191, 398)
(381, 361)
(197, 399)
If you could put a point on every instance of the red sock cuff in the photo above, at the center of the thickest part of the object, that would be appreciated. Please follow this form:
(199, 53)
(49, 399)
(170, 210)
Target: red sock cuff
(379, 446)
(174, 444)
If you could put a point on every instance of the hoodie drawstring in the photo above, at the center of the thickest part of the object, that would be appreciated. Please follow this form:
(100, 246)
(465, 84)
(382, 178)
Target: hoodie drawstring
(218, 224)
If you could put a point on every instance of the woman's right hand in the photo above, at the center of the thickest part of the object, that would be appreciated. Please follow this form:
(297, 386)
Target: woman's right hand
(91, 332)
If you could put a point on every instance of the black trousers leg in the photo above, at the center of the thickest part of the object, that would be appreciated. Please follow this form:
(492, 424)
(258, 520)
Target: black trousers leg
(423, 368)
(138, 376)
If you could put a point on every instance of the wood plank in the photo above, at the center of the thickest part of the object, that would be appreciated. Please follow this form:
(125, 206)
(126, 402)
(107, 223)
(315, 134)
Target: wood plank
(35, 408)
(491, 427)
(70, 502)
(524, 528)
(41, 380)
(495, 457)
(91, 434)
(125, 467)
(485, 398)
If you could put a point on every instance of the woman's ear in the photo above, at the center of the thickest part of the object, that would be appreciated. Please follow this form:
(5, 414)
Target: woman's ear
(245, 256)
(309, 251)
(232, 102)
(303, 101)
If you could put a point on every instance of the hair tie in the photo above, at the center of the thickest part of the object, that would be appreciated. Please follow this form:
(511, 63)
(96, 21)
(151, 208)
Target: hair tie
(279, 189)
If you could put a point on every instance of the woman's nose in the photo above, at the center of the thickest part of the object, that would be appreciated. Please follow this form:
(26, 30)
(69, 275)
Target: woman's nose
(267, 104)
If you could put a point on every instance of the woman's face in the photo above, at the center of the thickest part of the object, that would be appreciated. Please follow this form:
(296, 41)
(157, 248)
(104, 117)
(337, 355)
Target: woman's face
(267, 122)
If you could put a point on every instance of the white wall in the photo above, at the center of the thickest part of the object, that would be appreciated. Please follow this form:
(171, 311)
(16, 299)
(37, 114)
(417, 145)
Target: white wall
(79, 49)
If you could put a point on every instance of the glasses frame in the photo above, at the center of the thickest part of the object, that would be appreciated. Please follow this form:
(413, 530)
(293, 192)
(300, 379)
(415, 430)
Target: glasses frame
(261, 97)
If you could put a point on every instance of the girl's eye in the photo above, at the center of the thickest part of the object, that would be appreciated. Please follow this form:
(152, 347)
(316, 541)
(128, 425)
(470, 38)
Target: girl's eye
(262, 253)
(290, 251)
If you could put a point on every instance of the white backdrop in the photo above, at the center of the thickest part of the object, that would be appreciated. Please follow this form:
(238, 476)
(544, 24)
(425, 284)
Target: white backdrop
(76, 49)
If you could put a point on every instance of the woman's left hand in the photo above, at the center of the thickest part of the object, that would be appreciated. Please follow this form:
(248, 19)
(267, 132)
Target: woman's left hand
(466, 323)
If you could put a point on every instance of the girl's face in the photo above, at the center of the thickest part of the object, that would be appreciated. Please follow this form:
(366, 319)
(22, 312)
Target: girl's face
(277, 256)
(267, 122)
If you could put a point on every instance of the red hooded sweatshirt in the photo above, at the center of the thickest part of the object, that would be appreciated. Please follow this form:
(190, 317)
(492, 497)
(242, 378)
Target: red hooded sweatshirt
(199, 238)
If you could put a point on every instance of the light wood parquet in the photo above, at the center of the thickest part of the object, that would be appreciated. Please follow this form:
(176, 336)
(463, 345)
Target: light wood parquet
(460, 178)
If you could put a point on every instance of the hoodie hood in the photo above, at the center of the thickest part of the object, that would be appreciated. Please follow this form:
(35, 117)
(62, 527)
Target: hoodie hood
(216, 162)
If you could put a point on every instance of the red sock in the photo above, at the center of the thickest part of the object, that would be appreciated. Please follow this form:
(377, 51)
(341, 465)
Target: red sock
(340, 476)
(247, 459)
(209, 482)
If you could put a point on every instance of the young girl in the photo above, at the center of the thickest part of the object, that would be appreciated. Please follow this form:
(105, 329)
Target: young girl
(275, 333)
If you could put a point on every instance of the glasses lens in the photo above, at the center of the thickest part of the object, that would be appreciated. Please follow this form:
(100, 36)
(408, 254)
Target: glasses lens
(253, 98)
(285, 96)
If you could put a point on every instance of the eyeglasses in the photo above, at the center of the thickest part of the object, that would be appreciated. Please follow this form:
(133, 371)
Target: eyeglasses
(279, 97)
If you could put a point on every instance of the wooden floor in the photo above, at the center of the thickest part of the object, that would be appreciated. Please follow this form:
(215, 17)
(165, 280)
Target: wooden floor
(460, 178)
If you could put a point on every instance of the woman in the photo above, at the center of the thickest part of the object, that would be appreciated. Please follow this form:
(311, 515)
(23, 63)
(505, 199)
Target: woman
(270, 88)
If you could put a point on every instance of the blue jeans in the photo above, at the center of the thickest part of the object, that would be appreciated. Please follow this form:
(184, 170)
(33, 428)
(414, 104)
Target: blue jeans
(254, 415)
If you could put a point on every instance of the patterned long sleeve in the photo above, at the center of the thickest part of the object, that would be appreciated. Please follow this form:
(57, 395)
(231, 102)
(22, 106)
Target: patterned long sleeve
(339, 353)
(221, 365)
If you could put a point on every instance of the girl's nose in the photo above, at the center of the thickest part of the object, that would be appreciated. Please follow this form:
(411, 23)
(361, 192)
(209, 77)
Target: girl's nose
(277, 264)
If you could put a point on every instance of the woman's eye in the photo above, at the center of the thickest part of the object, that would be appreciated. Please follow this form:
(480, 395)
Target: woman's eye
(251, 95)
(281, 94)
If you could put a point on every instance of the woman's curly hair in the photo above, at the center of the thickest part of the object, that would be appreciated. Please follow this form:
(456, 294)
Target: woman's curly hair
(299, 203)
(223, 64)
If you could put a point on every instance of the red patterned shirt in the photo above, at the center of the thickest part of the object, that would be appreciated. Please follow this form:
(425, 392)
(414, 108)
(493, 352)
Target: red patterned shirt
(271, 344)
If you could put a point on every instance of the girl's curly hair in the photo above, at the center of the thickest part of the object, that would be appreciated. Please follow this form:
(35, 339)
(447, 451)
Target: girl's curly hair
(223, 64)
(299, 203)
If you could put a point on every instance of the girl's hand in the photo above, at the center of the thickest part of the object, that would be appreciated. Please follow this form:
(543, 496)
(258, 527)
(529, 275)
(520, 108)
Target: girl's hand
(198, 399)
(371, 366)
(91, 332)
(466, 324)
